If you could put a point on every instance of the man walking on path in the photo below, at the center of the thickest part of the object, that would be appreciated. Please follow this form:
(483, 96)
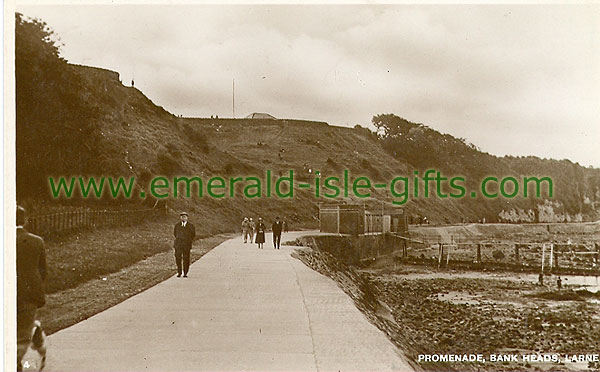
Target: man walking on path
(184, 232)
(245, 230)
(31, 274)
(277, 227)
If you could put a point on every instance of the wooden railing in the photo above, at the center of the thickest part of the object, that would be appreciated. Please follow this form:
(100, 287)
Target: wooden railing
(61, 222)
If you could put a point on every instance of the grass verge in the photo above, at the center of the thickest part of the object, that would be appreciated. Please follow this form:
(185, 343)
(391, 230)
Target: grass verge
(69, 306)
(87, 255)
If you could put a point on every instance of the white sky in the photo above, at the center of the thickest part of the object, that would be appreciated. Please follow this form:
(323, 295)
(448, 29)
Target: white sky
(512, 79)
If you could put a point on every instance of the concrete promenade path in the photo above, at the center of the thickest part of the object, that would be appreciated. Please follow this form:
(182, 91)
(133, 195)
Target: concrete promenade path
(241, 308)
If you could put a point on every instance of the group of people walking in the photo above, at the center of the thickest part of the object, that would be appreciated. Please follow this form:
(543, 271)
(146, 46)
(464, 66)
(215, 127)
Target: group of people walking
(185, 233)
(255, 232)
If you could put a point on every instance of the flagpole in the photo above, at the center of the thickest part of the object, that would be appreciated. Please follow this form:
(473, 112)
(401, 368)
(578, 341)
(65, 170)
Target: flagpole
(233, 98)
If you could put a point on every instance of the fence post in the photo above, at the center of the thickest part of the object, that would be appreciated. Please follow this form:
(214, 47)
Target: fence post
(517, 258)
(551, 260)
(479, 252)
(543, 255)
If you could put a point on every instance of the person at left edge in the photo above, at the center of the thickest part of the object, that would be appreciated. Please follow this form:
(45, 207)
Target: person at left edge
(31, 277)
(184, 232)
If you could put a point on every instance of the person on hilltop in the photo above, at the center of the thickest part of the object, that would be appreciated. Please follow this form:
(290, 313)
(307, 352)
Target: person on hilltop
(277, 228)
(246, 229)
(260, 233)
(31, 275)
(252, 230)
(184, 232)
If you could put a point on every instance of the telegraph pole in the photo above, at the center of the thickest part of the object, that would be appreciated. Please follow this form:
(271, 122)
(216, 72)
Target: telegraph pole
(233, 97)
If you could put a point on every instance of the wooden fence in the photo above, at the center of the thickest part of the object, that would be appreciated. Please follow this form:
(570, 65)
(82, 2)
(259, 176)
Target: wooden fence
(49, 224)
(548, 256)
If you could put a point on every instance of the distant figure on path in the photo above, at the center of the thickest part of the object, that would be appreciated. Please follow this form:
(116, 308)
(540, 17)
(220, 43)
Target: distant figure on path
(184, 232)
(246, 230)
(31, 275)
(132, 83)
(559, 283)
(252, 230)
(277, 228)
(260, 233)
(541, 278)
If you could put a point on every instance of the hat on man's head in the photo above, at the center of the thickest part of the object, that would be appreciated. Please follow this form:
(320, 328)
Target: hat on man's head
(183, 214)
(245, 218)
(277, 217)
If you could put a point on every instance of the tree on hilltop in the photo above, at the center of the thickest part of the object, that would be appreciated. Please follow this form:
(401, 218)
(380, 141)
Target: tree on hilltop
(56, 132)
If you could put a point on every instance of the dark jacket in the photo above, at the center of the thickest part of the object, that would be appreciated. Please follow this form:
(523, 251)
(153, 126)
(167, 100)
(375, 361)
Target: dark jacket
(184, 236)
(31, 269)
(277, 227)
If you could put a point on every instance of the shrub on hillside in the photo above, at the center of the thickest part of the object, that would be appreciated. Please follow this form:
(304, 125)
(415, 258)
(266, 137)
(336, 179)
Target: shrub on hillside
(144, 177)
(198, 139)
(332, 163)
(228, 169)
(167, 165)
(173, 150)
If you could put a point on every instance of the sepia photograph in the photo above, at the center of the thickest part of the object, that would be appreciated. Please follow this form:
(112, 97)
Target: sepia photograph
(301, 186)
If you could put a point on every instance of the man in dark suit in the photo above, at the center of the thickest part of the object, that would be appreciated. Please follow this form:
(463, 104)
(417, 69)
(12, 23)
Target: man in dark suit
(184, 232)
(277, 227)
(31, 275)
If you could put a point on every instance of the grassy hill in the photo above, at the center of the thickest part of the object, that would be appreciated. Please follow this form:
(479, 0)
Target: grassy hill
(76, 120)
